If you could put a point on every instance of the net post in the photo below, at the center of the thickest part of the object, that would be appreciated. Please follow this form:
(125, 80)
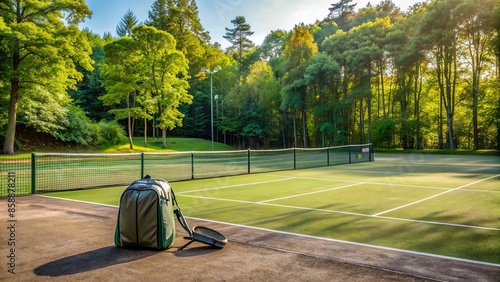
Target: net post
(327, 156)
(33, 173)
(192, 165)
(142, 165)
(294, 158)
(371, 153)
(349, 146)
(248, 160)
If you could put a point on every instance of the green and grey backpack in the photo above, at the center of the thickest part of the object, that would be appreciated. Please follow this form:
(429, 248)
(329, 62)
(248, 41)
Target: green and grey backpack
(145, 216)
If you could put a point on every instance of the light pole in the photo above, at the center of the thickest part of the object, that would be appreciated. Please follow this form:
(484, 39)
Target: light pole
(216, 97)
(210, 72)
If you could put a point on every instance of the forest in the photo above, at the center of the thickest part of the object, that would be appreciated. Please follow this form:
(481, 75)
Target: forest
(424, 78)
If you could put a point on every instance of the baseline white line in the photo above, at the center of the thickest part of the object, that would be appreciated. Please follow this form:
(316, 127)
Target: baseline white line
(77, 201)
(435, 196)
(347, 213)
(237, 185)
(315, 192)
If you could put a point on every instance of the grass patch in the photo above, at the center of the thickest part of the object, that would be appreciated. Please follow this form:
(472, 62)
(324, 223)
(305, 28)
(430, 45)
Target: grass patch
(174, 144)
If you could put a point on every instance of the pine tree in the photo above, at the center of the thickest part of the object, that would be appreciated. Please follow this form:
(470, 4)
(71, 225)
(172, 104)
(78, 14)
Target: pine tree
(239, 37)
(180, 18)
(128, 22)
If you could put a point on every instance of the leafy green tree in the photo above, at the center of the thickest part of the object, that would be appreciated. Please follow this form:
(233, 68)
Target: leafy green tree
(410, 65)
(477, 28)
(44, 47)
(180, 19)
(165, 74)
(239, 38)
(322, 76)
(439, 32)
(272, 50)
(88, 91)
(496, 48)
(122, 75)
(298, 52)
(149, 74)
(259, 103)
(127, 23)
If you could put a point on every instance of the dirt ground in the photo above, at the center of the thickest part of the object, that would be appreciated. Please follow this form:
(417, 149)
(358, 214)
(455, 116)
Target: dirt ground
(70, 241)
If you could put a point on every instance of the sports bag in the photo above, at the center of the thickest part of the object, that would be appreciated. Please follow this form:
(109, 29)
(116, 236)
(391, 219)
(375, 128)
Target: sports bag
(145, 215)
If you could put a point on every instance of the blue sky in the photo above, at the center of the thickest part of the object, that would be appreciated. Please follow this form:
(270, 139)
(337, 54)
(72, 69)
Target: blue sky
(215, 15)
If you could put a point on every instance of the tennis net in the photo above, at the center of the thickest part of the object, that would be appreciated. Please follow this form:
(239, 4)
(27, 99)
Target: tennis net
(62, 171)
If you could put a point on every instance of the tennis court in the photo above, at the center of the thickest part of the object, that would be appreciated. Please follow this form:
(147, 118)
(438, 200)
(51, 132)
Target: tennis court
(439, 205)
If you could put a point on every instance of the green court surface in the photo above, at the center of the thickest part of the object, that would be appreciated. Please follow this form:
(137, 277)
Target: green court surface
(443, 205)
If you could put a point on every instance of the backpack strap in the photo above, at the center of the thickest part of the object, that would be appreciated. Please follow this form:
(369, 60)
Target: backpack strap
(180, 216)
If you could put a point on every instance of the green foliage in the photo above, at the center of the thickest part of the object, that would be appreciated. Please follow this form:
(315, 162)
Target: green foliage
(76, 128)
(44, 48)
(44, 111)
(88, 91)
(180, 19)
(147, 73)
(427, 78)
(108, 133)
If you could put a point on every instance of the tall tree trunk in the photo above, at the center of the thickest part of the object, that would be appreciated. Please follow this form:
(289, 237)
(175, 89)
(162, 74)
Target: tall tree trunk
(295, 130)
(145, 132)
(361, 122)
(10, 134)
(129, 121)
(304, 128)
(440, 124)
(418, 92)
(164, 138)
(475, 102)
(8, 146)
(369, 103)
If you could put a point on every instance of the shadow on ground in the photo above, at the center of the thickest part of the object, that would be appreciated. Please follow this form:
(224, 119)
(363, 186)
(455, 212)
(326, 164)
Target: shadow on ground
(92, 260)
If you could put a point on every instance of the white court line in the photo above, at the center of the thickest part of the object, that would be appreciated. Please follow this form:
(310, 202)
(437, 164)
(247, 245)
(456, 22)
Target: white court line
(347, 213)
(315, 192)
(237, 185)
(368, 182)
(435, 196)
(352, 243)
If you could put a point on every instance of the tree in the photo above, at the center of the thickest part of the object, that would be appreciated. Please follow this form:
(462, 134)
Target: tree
(496, 47)
(259, 103)
(322, 76)
(44, 47)
(88, 91)
(298, 52)
(439, 32)
(477, 28)
(180, 19)
(122, 78)
(165, 74)
(342, 13)
(239, 38)
(150, 75)
(127, 23)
